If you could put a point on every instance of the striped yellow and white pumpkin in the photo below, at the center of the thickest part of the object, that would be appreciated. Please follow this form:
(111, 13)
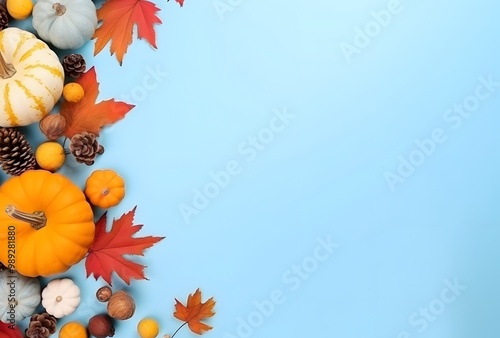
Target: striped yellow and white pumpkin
(31, 78)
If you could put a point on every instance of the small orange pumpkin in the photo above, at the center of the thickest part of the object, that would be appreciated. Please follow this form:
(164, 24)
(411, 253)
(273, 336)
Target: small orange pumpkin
(46, 221)
(105, 188)
(73, 330)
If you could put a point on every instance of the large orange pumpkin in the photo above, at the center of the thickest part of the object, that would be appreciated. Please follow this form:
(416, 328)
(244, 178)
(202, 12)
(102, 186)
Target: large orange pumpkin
(46, 219)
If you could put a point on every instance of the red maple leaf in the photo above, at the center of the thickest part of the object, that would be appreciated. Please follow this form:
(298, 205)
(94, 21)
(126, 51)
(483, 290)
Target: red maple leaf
(9, 331)
(118, 18)
(181, 2)
(106, 253)
(86, 115)
(195, 311)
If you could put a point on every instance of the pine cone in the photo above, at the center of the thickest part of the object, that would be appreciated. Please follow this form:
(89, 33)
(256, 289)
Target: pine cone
(41, 326)
(4, 18)
(74, 65)
(16, 155)
(84, 147)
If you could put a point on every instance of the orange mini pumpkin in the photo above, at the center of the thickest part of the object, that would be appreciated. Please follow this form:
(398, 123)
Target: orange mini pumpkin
(45, 222)
(105, 188)
(73, 330)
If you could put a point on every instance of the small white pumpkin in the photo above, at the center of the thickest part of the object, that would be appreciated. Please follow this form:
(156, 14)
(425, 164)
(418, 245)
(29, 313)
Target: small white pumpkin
(61, 297)
(31, 78)
(67, 24)
(19, 295)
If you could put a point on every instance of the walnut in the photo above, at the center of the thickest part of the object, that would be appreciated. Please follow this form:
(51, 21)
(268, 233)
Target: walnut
(52, 126)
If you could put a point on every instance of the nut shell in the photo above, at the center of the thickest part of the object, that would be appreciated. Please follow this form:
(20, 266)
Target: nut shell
(52, 126)
(121, 306)
(104, 293)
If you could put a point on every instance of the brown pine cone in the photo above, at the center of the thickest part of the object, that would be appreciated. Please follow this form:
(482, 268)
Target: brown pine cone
(74, 65)
(4, 18)
(41, 326)
(85, 147)
(16, 155)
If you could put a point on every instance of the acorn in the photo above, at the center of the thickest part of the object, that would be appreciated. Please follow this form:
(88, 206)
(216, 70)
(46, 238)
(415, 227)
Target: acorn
(101, 326)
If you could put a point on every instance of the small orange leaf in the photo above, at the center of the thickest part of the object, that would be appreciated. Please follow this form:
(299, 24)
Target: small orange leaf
(86, 115)
(118, 19)
(195, 311)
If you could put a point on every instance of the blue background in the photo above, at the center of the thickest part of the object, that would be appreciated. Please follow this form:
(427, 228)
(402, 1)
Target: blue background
(322, 176)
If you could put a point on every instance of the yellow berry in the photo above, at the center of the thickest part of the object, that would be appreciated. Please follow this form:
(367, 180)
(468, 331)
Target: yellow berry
(148, 328)
(50, 155)
(19, 9)
(73, 330)
(73, 92)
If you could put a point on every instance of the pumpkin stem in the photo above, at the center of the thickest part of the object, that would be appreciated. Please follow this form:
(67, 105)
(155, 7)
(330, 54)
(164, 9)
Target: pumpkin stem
(105, 191)
(60, 9)
(37, 219)
(7, 70)
(58, 298)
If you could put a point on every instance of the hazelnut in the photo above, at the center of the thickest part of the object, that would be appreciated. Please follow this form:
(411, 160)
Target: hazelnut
(101, 326)
(103, 294)
(121, 305)
(52, 126)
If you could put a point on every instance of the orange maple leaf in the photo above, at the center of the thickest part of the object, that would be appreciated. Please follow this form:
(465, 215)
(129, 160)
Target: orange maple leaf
(195, 311)
(106, 253)
(86, 115)
(118, 19)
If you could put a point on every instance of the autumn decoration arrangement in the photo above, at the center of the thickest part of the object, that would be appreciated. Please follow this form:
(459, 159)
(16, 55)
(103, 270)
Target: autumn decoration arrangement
(48, 223)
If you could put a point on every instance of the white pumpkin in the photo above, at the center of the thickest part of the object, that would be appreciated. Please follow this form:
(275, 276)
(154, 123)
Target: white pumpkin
(67, 24)
(61, 297)
(19, 296)
(31, 78)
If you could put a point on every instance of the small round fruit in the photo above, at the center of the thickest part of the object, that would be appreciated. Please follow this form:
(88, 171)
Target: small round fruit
(148, 328)
(101, 326)
(73, 330)
(73, 92)
(19, 9)
(50, 155)
(104, 188)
